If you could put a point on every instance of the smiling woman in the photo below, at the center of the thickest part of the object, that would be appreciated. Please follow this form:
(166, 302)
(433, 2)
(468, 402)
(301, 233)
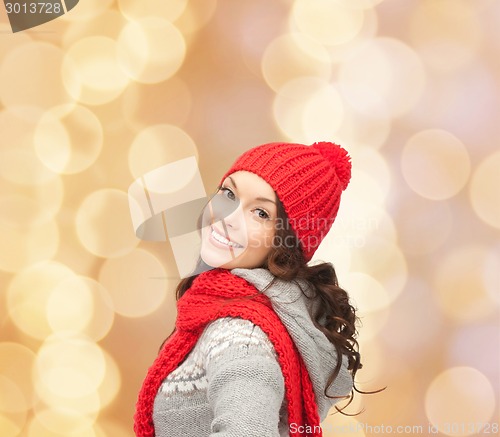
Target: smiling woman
(264, 345)
(242, 238)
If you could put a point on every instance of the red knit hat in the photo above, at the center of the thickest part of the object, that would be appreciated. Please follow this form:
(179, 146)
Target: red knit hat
(308, 181)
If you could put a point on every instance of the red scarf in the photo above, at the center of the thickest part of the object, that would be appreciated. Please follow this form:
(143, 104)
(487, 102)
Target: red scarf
(215, 294)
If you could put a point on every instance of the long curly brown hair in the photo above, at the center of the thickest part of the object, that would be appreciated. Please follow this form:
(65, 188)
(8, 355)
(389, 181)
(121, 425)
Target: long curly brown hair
(338, 317)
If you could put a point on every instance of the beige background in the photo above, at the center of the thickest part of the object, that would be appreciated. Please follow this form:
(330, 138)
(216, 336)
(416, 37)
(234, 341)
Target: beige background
(112, 90)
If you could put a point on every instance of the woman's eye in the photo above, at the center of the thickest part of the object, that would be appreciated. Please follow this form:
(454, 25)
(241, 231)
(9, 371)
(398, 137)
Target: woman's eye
(228, 193)
(262, 214)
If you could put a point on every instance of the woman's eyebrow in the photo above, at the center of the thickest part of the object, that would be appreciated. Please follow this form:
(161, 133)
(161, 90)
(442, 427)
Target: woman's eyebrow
(232, 181)
(262, 199)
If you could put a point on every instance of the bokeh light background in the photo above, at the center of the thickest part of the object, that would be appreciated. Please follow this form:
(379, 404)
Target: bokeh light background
(112, 90)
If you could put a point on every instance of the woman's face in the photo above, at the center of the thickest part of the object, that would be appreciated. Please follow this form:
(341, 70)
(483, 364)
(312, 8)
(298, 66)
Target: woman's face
(239, 223)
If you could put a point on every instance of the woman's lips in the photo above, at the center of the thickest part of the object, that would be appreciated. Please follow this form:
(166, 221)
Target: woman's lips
(218, 238)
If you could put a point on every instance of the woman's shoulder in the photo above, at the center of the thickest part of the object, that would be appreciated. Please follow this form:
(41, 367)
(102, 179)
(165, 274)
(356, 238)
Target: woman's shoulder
(234, 337)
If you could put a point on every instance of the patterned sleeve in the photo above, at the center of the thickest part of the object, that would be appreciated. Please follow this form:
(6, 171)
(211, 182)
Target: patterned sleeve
(245, 382)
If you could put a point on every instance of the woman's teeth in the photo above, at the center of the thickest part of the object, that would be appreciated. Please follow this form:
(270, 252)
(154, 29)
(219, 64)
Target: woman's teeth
(223, 240)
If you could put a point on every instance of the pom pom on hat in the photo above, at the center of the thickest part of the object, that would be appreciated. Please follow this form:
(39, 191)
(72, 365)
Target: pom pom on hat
(338, 158)
(308, 181)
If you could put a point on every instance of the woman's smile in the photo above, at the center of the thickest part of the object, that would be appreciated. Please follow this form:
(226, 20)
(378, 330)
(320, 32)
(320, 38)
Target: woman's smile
(238, 224)
(219, 240)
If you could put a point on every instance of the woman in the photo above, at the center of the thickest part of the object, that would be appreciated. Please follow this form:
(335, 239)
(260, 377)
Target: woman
(264, 344)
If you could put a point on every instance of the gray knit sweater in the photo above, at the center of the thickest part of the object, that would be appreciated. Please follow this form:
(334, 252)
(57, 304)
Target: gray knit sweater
(231, 385)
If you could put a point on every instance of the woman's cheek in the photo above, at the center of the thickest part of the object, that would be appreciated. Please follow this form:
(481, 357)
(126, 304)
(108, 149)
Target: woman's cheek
(263, 241)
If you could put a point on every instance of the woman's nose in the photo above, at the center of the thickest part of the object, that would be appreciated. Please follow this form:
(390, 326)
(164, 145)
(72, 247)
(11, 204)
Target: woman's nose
(234, 217)
(226, 209)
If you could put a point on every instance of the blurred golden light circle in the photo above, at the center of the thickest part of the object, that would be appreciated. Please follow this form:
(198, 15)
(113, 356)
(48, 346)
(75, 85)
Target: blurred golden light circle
(88, 404)
(60, 422)
(136, 283)
(252, 44)
(338, 254)
(445, 103)
(460, 396)
(23, 167)
(478, 338)
(396, 372)
(435, 164)
(68, 140)
(366, 292)
(383, 260)
(484, 192)
(108, 23)
(195, 16)
(362, 204)
(28, 293)
(373, 322)
(16, 366)
(8, 44)
(405, 334)
(31, 205)
(322, 114)
(491, 273)
(99, 78)
(302, 57)
(363, 182)
(158, 145)
(12, 399)
(20, 86)
(70, 305)
(99, 432)
(372, 164)
(373, 135)
(18, 160)
(87, 11)
(360, 220)
(364, 4)
(103, 223)
(102, 315)
(151, 49)
(460, 289)
(446, 34)
(327, 22)
(288, 107)
(423, 225)
(341, 52)
(146, 105)
(49, 197)
(23, 246)
(384, 77)
(111, 383)
(112, 428)
(170, 10)
(69, 366)
(11, 426)
(374, 358)
(51, 142)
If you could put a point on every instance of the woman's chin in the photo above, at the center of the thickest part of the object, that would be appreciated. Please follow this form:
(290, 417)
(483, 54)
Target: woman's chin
(217, 259)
